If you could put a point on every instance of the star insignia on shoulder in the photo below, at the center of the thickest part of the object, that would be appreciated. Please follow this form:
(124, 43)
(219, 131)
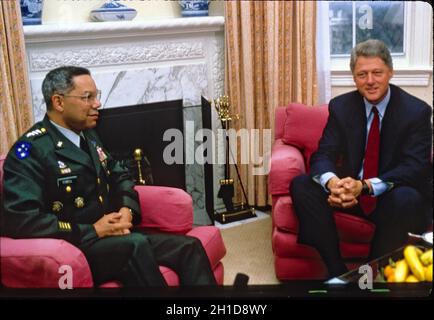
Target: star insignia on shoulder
(22, 149)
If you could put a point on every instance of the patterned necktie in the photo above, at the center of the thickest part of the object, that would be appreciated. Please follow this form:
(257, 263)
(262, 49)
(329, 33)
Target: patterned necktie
(370, 165)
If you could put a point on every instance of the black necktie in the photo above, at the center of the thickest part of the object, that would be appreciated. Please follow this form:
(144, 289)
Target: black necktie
(83, 144)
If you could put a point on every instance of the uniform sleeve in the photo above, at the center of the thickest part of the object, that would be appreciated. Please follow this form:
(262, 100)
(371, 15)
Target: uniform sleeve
(25, 215)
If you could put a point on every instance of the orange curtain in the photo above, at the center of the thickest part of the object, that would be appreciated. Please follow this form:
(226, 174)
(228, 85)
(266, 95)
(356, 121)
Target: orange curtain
(270, 62)
(15, 98)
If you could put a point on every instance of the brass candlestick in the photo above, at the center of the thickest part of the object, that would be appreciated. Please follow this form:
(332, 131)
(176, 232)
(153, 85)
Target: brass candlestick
(138, 156)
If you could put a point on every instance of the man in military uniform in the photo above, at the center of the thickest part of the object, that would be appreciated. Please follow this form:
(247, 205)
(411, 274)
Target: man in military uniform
(59, 182)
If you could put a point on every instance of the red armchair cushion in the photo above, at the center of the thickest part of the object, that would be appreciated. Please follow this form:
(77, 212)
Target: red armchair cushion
(285, 245)
(286, 163)
(304, 126)
(155, 212)
(22, 259)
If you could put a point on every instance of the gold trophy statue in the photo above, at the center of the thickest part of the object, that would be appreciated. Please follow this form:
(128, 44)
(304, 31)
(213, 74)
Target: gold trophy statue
(226, 191)
(138, 156)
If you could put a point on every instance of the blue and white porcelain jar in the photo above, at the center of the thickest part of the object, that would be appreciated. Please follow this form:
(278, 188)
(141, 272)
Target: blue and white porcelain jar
(31, 11)
(113, 11)
(194, 8)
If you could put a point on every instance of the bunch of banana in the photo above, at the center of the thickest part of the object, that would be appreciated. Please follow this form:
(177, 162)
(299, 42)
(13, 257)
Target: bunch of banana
(415, 267)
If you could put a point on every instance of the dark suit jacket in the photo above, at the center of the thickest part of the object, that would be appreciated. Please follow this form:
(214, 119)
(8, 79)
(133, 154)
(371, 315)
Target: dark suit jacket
(405, 146)
(57, 190)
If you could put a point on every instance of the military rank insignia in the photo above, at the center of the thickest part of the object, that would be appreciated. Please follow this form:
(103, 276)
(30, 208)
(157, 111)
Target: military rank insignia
(64, 226)
(61, 164)
(102, 157)
(22, 150)
(36, 132)
(63, 167)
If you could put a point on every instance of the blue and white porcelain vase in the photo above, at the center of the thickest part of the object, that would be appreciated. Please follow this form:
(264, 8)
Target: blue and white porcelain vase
(194, 8)
(113, 11)
(31, 11)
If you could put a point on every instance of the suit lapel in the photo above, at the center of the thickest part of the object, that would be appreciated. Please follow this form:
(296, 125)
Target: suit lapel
(388, 131)
(66, 148)
(357, 135)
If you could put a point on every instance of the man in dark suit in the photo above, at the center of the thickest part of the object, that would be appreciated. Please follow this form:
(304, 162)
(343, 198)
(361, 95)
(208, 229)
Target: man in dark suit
(60, 182)
(373, 160)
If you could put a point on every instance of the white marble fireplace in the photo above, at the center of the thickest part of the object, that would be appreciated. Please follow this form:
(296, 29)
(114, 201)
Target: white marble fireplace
(139, 62)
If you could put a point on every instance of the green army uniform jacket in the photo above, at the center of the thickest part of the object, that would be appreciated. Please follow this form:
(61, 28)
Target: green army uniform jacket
(53, 189)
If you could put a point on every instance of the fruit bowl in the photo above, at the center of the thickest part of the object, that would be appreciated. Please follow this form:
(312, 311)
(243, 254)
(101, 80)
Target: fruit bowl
(411, 263)
(414, 265)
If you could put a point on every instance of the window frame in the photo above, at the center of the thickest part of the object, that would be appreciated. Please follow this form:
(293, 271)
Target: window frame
(414, 68)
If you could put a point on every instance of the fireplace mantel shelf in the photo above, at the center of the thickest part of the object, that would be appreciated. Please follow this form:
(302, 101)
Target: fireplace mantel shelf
(100, 30)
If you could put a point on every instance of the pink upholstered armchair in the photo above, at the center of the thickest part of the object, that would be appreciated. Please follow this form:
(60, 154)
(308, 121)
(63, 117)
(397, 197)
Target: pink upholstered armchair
(35, 263)
(298, 129)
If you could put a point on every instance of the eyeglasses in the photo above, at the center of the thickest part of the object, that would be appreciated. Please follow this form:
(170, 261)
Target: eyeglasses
(87, 98)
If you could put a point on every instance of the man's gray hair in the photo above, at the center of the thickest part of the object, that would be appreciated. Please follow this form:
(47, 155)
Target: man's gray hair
(60, 81)
(371, 48)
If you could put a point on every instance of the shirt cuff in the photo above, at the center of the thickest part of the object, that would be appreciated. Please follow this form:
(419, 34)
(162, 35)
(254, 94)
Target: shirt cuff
(378, 186)
(323, 179)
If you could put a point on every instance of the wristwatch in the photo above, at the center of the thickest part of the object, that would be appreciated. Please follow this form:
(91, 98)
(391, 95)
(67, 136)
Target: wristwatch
(365, 188)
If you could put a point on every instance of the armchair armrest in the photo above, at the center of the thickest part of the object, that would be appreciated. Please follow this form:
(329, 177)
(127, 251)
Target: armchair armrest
(35, 263)
(212, 242)
(287, 162)
(165, 209)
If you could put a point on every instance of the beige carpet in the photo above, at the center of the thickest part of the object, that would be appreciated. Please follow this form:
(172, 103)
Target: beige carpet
(249, 251)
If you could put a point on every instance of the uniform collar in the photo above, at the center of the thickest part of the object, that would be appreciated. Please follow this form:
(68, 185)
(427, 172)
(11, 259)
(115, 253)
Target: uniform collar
(69, 134)
(64, 146)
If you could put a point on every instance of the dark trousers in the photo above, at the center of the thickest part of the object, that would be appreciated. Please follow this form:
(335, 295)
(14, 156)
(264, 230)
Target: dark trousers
(398, 211)
(134, 259)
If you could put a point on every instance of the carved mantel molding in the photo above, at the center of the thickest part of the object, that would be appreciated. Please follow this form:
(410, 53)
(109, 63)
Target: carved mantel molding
(130, 45)
(121, 29)
(47, 59)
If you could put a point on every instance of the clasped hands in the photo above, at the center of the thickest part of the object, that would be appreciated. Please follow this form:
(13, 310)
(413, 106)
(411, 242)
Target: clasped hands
(344, 192)
(114, 224)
